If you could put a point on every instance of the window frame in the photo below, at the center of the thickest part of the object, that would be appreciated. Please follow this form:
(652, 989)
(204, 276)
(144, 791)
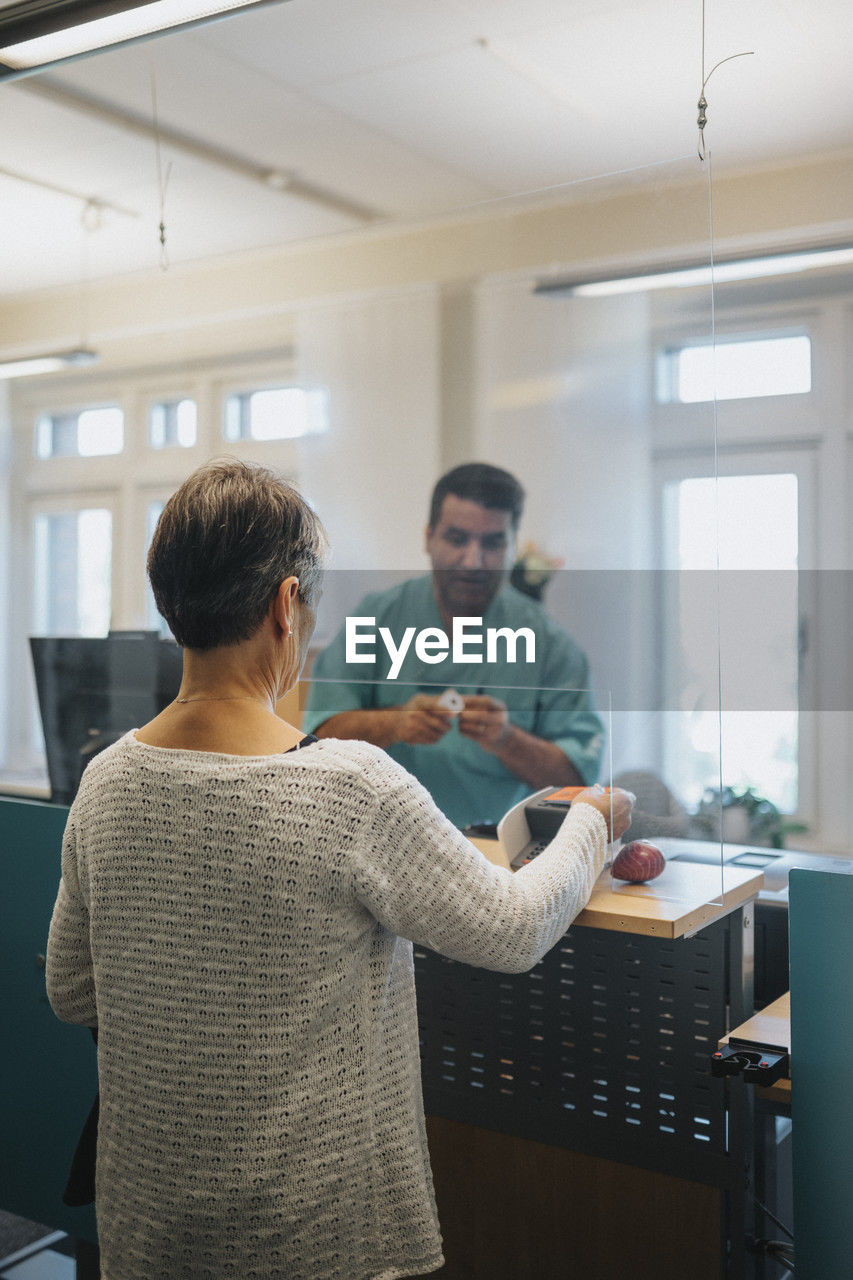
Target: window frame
(24, 734)
(765, 421)
(144, 497)
(725, 337)
(174, 397)
(124, 483)
(672, 467)
(239, 388)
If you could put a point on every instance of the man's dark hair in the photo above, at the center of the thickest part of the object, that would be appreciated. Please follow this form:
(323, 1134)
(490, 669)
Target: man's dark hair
(227, 539)
(479, 482)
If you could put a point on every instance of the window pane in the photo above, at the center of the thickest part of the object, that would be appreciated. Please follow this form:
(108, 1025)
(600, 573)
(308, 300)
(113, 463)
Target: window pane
(153, 618)
(86, 433)
(737, 370)
(277, 413)
(233, 428)
(751, 519)
(72, 563)
(173, 422)
(756, 520)
(100, 431)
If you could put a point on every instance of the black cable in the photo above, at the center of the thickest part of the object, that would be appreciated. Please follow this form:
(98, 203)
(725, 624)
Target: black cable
(780, 1251)
(773, 1218)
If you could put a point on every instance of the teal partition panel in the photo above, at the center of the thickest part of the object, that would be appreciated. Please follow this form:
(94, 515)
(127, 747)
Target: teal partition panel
(821, 925)
(48, 1073)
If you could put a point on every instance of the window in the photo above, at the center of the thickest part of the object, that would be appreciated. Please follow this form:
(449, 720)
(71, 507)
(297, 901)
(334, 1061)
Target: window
(173, 422)
(83, 433)
(277, 413)
(153, 619)
(80, 530)
(736, 370)
(71, 572)
(754, 519)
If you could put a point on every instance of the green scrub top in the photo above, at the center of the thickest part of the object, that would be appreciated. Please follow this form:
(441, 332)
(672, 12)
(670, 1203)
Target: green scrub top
(548, 697)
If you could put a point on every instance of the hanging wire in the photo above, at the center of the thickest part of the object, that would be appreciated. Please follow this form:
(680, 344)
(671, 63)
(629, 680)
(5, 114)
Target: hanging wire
(704, 155)
(162, 182)
(702, 104)
(717, 576)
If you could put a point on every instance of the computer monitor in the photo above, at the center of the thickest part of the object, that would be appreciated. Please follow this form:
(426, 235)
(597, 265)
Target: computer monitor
(91, 691)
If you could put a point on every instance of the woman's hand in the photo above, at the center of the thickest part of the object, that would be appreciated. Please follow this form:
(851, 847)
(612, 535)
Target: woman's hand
(615, 807)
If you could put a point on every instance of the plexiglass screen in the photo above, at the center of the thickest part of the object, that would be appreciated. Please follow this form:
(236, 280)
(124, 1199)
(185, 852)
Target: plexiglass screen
(487, 230)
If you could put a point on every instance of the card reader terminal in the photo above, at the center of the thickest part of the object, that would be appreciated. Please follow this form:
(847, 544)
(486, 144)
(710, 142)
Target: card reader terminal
(531, 825)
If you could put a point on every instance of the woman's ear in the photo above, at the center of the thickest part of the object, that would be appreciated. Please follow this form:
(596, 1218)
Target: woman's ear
(284, 604)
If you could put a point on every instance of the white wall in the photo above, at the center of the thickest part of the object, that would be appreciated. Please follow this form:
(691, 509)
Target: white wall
(563, 399)
(370, 475)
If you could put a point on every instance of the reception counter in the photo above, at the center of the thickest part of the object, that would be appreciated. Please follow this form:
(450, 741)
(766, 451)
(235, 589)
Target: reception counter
(571, 1109)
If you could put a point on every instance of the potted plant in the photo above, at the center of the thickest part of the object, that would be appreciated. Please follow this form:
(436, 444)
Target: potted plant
(533, 570)
(745, 817)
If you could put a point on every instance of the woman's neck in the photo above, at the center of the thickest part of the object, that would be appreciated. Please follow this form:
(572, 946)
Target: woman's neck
(226, 704)
(233, 674)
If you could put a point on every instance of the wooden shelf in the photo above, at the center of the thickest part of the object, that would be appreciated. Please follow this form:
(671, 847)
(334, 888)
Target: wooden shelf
(769, 1028)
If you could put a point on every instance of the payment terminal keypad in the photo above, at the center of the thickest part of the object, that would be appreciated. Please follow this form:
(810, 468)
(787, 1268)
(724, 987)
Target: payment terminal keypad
(530, 851)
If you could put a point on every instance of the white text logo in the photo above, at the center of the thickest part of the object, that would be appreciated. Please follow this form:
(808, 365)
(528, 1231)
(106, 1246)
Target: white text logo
(433, 645)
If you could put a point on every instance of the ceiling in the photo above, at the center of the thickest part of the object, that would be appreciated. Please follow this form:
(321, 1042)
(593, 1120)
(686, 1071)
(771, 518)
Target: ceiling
(409, 109)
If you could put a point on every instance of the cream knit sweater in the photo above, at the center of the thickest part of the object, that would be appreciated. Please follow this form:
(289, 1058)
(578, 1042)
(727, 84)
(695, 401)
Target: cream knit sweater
(240, 929)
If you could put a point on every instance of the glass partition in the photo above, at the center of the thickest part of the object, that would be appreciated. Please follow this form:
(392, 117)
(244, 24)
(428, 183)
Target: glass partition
(384, 624)
(513, 301)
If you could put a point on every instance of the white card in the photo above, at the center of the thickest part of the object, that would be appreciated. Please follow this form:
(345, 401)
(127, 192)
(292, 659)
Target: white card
(452, 702)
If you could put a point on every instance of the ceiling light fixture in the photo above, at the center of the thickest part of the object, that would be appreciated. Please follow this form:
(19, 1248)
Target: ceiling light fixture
(687, 275)
(27, 366)
(40, 33)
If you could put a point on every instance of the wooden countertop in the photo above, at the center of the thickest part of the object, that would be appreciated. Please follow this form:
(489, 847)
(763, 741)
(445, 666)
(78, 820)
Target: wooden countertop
(683, 899)
(770, 1027)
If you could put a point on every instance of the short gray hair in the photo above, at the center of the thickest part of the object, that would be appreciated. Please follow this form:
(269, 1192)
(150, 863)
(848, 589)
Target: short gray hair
(226, 540)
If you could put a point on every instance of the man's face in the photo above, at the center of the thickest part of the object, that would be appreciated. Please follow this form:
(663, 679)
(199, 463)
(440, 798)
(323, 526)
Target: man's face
(471, 548)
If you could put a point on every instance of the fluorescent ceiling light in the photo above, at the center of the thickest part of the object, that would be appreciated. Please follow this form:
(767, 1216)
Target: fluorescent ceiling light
(51, 363)
(37, 34)
(682, 277)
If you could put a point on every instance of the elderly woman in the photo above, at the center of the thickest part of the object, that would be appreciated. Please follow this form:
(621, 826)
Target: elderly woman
(236, 918)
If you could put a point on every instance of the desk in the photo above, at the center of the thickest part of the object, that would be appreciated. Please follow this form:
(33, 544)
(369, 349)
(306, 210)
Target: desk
(684, 898)
(593, 1069)
(771, 1027)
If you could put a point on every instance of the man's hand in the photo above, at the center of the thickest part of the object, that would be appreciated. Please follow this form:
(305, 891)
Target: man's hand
(421, 721)
(485, 720)
(614, 806)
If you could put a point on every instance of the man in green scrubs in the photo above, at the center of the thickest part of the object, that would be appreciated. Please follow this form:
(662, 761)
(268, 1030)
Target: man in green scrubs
(523, 724)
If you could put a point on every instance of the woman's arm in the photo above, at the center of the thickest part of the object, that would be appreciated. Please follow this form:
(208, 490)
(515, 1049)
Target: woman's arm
(69, 972)
(419, 876)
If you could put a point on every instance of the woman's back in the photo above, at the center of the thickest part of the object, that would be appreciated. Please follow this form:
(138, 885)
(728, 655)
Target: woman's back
(240, 930)
(255, 1024)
